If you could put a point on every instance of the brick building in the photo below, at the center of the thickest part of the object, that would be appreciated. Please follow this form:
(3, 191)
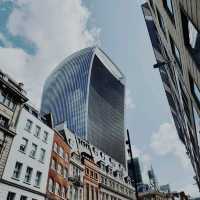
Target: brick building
(58, 172)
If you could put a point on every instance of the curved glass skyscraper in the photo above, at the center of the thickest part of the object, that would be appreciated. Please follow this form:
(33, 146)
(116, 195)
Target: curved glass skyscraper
(86, 92)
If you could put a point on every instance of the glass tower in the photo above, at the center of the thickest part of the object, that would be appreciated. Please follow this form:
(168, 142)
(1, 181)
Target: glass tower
(86, 93)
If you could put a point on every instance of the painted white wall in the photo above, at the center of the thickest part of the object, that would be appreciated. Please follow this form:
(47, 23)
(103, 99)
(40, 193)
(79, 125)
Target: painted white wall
(15, 155)
(4, 189)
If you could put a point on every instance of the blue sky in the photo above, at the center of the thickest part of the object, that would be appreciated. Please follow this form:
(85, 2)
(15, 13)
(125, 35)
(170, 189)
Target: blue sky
(32, 43)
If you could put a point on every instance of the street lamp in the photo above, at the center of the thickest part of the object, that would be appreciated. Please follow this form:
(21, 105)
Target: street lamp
(128, 142)
(161, 64)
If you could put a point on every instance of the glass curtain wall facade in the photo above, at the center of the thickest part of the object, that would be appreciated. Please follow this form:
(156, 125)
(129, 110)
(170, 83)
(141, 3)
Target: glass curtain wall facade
(87, 95)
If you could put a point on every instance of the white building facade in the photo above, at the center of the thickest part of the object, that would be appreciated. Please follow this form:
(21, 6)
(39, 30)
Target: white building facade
(26, 171)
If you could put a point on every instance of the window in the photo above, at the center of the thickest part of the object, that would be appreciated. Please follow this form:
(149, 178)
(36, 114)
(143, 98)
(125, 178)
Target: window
(91, 174)
(33, 150)
(4, 121)
(11, 196)
(29, 125)
(62, 154)
(92, 192)
(17, 170)
(23, 197)
(60, 169)
(76, 194)
(38, 178)
(87, 191)
(97, 195)
(169, 8)
(64, 192)
(53, 164)
(50, 185)
(96, 176)
(185, 103)
(55, 147)
(176, 54)
(23, 145)
(161, 22)
(28, 175)
(42, 155)
(65, 173)
(191, 36)
(12, 105)
(45, 136)
(37, 131)
(151, 4)
(197, 125)
(71, 193)
(66, 157)
(87, 171)
(195, 90)
(58, 189)
(2, 96)
(7, 101)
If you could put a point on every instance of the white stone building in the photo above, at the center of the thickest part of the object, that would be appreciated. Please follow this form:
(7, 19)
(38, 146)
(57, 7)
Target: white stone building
(26, 171)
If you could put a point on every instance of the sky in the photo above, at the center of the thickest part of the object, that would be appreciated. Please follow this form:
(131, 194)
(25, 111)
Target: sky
(35, 36)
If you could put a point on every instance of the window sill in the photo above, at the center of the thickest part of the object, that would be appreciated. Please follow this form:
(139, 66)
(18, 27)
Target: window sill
(27, 130)
(41, 161)
(37, 136)
(28, 183)
(21, 151)
(33, 157)
(38, 187)
(14, 178)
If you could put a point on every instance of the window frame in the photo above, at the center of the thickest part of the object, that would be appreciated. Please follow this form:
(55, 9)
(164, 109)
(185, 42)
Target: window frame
(28, 175)
(33, 151)
(37, 131)
(19, 170)
(23, 146)
(161, 22)
(186, 34)
(169, 12)
(38, 179)
(9, 197)
(28, 128)
(175, 49)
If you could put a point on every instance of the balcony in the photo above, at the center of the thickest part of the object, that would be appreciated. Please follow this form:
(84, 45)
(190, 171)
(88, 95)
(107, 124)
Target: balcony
(76, 180)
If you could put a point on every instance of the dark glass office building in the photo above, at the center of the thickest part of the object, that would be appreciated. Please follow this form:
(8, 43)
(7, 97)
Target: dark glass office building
(86, 93)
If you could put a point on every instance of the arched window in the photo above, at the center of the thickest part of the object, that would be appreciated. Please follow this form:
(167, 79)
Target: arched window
(53, 164)
(65, 173)
(60, 169)
(64, 192)
(58, 189)
(66, 157)
(55, 147)
(62, 154)
(50, 185)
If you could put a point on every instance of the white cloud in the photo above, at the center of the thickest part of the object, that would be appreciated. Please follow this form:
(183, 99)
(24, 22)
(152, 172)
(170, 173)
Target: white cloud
(165, 142)
(14, 60)
(129, 100)
(57, 28)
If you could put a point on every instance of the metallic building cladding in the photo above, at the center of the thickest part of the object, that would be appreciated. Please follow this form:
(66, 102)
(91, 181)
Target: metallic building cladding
(106, 112)
(158, 51)
(65, 92)
(83, 93)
